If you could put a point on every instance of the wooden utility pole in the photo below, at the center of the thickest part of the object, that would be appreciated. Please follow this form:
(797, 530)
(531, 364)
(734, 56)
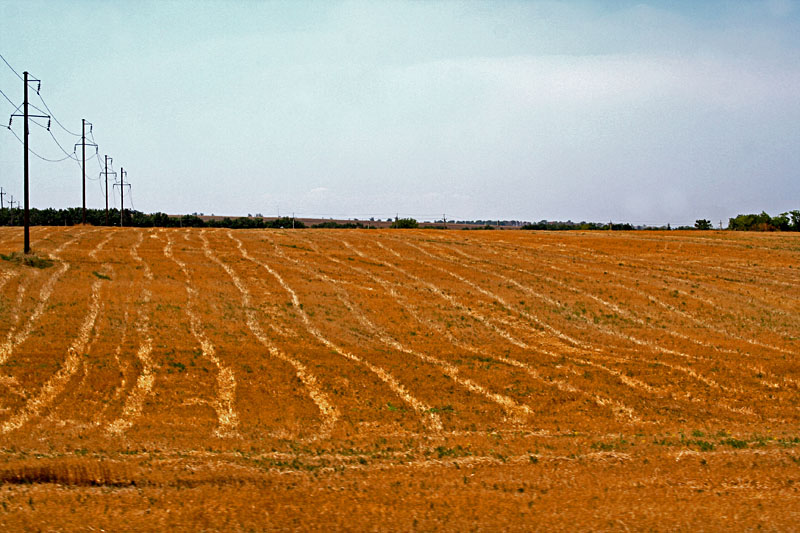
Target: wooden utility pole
(27, 238)
(2, 193)
(83, 165)
(121, 194)
(83, 160)
(26, 130)
(106, 172)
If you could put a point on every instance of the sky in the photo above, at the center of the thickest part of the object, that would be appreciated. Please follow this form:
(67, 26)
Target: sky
(644, 112)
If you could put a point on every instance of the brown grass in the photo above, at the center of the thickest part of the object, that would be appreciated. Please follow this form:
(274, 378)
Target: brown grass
(277, 379)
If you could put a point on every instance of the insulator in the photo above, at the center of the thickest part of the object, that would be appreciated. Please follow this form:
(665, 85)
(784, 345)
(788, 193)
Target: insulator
(48, 124)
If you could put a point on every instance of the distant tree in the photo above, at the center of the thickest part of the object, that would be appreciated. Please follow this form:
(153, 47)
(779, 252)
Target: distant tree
(703, 224)
(781, 222)
(762, 222)
(795, 217)
(405, 223)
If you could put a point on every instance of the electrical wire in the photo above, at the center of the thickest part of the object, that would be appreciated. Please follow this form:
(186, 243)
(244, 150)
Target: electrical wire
(73, 155)
(9, 99)
(54, 118)
(12, 68)
(38, 109)
(70, 155)
(37, 155)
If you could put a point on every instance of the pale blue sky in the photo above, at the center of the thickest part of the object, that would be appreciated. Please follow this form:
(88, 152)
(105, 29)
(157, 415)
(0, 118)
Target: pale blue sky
(647, 112)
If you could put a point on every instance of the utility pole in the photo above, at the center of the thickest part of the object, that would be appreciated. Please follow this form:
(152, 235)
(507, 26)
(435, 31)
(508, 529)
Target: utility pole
(27, 237)
(2, 193)
(106, 172)
(83, 161)
(444, 219)
(26, 130)
(83, 165)
(121, 186)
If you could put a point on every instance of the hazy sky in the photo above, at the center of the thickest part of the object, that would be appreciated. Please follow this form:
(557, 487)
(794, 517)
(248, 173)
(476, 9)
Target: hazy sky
(646, 112)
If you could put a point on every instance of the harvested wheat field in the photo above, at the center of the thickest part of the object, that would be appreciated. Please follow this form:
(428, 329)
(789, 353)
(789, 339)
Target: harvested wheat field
(399, 380)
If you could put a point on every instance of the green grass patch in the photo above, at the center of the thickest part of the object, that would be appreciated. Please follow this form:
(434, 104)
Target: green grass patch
(101, 276)
(457, 451)
(30, 260)
(734, 443)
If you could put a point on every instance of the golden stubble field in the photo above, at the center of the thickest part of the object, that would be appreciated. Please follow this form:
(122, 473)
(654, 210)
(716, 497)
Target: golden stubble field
(399, 380)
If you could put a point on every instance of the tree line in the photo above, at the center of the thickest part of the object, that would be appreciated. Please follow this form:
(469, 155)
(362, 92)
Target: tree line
(789, 221)
(97, 217)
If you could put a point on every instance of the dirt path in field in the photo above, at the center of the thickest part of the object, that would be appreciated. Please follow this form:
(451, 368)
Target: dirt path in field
(619, 409)
(425, 412)
(519, 412)
(132, 407)
(55, 385)
(225, 402)
(328, 411)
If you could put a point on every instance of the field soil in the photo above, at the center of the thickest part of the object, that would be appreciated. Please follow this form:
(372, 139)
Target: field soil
(213, 379)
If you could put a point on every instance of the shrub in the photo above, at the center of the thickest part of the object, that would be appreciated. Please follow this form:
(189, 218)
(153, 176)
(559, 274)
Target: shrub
(702, 224)
(405, 223)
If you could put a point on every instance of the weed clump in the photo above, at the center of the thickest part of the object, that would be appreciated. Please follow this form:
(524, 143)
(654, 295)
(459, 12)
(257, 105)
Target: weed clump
(30, 260)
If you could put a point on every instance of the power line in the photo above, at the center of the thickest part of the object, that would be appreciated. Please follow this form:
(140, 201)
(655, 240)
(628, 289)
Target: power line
(71, 156)
(54, 118)
(37, 109)
(9, 66)
(9, 99)
(37, 155)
